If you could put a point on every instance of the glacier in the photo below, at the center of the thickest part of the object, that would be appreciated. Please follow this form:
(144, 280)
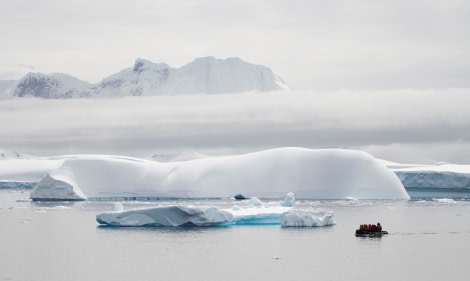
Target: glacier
(255, 213)
(207, 75)
(308, 173)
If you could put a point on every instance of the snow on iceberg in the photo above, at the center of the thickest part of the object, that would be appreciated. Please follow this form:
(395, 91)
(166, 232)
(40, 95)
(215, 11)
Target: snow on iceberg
(308, 173)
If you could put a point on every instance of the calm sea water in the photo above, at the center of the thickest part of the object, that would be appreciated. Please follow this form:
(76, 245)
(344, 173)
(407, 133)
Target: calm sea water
(428, 240)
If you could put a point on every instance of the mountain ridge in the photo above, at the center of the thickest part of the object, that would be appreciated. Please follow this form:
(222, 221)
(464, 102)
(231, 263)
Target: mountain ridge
(206, 75)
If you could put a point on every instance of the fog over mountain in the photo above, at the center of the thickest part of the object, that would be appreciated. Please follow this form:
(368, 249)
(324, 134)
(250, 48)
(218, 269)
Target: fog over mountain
(206, 75)
(407, 126)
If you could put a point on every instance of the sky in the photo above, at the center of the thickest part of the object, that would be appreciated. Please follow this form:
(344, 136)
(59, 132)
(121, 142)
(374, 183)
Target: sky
(321, 45)
(387, 77)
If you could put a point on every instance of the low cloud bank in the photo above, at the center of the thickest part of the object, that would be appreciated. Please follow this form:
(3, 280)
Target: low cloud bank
(437, 122)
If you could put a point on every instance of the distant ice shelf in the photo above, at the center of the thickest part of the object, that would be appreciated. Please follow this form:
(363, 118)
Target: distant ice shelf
(439, 176)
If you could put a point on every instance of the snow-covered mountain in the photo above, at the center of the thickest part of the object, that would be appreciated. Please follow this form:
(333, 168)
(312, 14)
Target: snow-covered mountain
(11, 154)
(144, 78)
(50, 86)
(202, 76)
(5, 85)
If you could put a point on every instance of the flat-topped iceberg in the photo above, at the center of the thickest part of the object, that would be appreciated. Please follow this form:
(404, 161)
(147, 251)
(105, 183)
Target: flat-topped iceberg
(441, 175)
(178, 215)
(308, 173)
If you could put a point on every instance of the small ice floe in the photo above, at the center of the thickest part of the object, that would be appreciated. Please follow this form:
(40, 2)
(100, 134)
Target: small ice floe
(256, 202)
(54, 208)
(236, 208)
(444, 200)
(118, 206)
(307, 218)
(289, 200)
(60, 208)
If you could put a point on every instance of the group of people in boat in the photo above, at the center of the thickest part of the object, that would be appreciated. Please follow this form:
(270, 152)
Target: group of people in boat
(371, 227)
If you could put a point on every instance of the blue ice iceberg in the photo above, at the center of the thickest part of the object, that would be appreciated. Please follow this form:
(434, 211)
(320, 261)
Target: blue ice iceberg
(256, 213)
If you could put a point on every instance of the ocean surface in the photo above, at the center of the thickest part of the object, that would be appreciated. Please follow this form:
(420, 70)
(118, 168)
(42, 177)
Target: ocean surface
(429, 240)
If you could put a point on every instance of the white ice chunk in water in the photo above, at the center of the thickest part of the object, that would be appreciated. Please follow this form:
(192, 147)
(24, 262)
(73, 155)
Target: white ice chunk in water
(307, 218)
(256, 202)
(118, 206)
(289, 200)
(444, 200)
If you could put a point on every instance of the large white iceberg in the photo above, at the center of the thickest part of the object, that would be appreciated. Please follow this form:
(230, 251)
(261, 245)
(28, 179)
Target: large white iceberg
(308, 173)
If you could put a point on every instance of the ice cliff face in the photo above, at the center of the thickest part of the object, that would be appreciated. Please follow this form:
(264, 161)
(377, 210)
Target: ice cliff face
(202, 76)
(436, 176)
